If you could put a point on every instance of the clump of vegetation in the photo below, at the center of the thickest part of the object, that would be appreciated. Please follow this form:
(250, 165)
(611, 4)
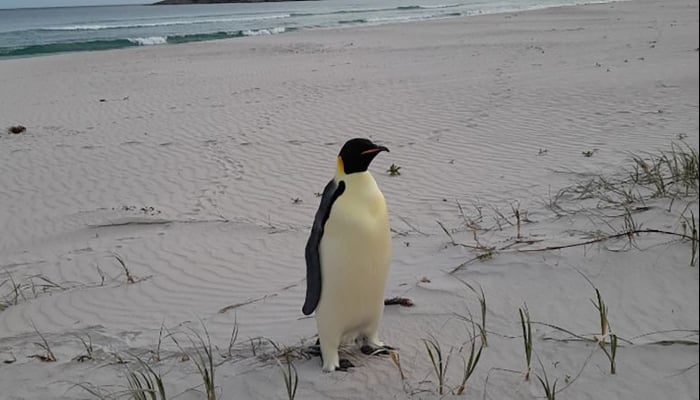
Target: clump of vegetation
(129, 277)
(550, 390)
(145, 383)
(142, 383)
(87, 344)
(605, 331)
(394, 170)
(290, 375)
(672, 174)
(469, 364)
(690, 229)
(669, 173)
(26, 288)
(527, 339)
(48, 355)
(203, 359)
(439, 362)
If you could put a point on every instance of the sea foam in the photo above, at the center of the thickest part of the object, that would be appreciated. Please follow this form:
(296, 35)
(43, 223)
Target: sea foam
(258, 32)
(149, 41)
(95, 27)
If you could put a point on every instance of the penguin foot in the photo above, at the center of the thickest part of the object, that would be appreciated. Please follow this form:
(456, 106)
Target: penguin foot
(314, 351)
(344, 365)
(376, 350)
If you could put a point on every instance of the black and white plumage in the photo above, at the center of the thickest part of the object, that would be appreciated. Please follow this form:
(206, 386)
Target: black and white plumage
(348, 255)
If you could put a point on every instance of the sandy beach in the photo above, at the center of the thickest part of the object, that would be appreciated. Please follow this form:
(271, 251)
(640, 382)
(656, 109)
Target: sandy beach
(161, 191)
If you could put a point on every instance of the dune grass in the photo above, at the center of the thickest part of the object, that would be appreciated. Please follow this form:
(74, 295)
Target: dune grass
(28, 287)
(550, 389)
(202, 356)
(605, 331)
(526, 326)
(89, 351)
(469, 364)
(228, 354)
(669, 174)
(690, 228)
(145, 383)
(130, 278)
(289, 374)
(48, 355)
(439, 361)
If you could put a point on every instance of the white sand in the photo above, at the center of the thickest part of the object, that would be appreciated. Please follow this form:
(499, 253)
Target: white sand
(221, 138)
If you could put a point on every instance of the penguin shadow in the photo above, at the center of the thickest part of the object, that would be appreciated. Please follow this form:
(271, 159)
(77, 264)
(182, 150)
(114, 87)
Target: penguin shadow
(365, 348)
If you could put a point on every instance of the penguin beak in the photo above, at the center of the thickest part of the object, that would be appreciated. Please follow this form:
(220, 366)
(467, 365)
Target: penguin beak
(375, 150)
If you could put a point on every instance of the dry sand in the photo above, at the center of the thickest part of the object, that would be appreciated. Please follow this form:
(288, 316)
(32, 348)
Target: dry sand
(198, 165)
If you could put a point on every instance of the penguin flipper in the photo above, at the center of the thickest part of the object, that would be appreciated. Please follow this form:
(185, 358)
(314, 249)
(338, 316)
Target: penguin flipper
(313, 259)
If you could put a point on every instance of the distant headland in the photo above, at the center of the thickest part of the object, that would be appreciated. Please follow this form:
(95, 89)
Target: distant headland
(171, 2)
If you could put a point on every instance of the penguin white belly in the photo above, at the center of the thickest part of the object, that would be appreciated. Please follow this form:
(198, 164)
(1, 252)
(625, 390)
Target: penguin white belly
(355, 254)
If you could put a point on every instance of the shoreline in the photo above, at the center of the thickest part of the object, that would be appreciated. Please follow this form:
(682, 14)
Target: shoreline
(42, 50)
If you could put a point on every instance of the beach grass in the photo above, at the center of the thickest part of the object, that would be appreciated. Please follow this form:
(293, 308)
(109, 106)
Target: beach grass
(130, 278)
(228, 354)
(439, 361)
(290, 375)
(155, 354)
(605, 331)
(526, 327)
(469, 364)
(690, 228)
(48, 355)
(145, 383)
(550, 388)
(87, 345)
(202, 356)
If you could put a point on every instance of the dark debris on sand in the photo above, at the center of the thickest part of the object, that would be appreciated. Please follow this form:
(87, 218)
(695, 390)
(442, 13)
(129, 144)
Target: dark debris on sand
(402, 301)
(17, 129)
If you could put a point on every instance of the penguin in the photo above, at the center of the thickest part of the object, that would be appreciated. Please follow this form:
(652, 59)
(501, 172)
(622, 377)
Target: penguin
(348, 255)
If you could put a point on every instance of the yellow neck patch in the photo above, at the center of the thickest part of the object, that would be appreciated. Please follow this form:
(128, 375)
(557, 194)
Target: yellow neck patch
(340, 169)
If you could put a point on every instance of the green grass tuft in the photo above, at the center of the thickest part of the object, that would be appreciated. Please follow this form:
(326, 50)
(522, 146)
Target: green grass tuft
(203, 358)
(439, 362)
(526, 326)
(289, 374)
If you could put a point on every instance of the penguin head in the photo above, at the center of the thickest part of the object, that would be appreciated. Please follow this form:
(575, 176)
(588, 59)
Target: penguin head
(357, 154)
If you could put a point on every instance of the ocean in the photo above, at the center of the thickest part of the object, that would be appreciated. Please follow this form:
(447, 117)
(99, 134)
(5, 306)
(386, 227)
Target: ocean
(39, 31)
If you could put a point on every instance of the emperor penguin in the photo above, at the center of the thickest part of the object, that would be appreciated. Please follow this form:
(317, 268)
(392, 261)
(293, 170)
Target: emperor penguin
(348, 255)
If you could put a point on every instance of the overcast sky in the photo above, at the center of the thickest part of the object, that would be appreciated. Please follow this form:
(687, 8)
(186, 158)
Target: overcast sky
(61, 3)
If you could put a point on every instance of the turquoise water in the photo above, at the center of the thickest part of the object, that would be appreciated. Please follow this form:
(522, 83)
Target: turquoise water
(29, 32)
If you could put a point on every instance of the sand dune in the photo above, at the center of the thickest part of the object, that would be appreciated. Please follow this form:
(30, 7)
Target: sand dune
(198, 165)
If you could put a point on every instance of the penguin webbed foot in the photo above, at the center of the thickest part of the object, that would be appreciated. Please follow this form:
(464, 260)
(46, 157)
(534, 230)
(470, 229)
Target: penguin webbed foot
(370, 350)
(345, 364)
(315, 349)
